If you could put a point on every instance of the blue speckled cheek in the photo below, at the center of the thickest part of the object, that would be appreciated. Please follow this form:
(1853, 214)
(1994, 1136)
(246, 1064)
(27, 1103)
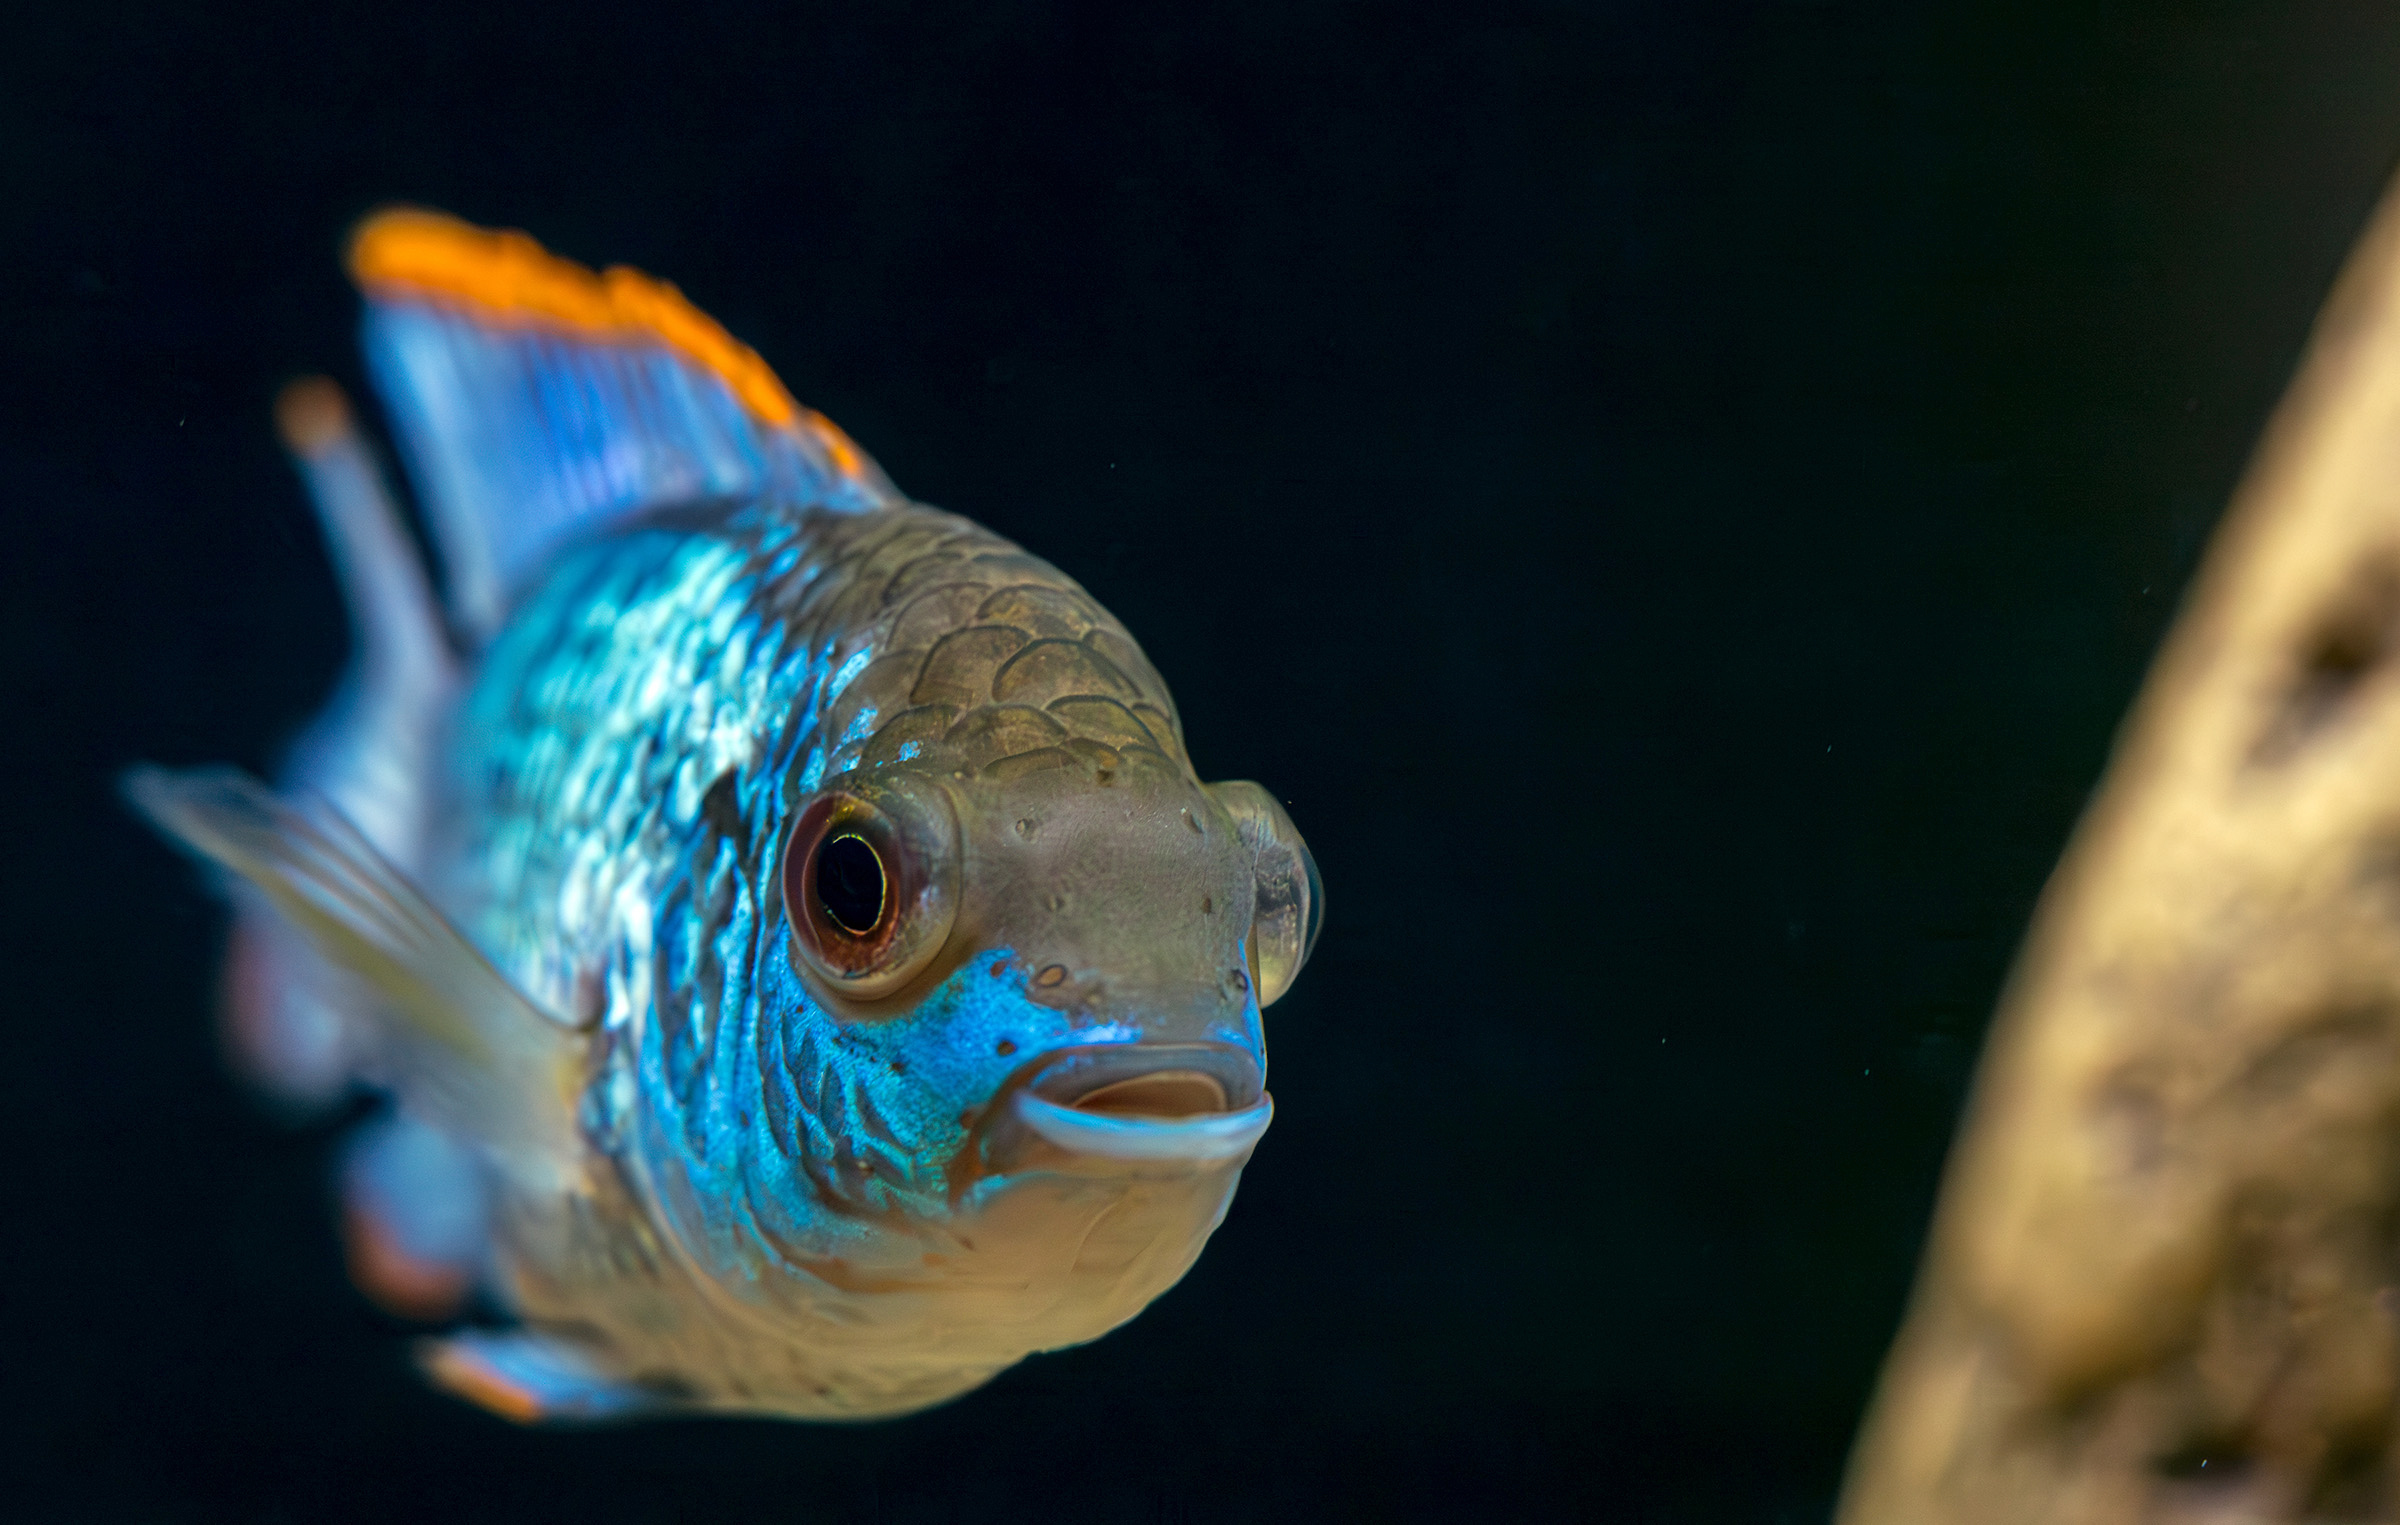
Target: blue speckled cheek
(802, 1097)
(901, 1096)
(889, 1104)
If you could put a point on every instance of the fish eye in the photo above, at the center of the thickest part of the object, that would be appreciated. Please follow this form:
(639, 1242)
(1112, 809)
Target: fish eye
(868, 886)
(851, 885)
(1289, 895)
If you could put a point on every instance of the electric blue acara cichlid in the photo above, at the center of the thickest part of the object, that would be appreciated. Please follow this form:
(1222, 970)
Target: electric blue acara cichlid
(808, 971)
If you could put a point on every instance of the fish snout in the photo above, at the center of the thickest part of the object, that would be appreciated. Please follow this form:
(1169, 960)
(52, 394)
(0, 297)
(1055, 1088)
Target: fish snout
(1196, 1103)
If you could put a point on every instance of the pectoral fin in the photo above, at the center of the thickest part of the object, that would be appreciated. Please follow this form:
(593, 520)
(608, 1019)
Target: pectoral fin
(531, 1378)
(466, 1050)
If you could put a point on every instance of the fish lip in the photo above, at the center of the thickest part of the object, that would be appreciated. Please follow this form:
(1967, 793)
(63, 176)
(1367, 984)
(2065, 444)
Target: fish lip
(1038, 1107)
(1198, 1137)
(1066, 1076)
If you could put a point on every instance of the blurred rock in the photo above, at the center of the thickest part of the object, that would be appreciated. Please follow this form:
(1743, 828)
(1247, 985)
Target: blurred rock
(2162, 1283)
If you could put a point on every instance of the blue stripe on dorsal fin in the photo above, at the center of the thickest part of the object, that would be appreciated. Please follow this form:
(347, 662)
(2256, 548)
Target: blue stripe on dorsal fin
(537, 401)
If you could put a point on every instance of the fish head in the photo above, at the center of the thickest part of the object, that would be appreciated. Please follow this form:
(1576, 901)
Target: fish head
(1083, 946)
(1027, 1037)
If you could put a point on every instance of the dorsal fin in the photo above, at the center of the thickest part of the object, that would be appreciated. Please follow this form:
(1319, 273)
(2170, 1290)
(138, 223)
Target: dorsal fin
(537, 400)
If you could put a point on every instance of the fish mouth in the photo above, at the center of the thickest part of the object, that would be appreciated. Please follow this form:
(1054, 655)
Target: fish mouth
(1191, 1102)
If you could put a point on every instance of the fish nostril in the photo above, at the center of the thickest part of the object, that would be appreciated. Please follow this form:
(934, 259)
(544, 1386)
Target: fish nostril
(1165, 1093)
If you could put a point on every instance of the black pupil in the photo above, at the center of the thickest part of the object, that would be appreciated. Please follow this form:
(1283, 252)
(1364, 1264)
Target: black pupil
(850, 884)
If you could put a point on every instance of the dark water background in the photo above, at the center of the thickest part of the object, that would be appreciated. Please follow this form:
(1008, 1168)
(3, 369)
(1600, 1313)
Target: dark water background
(1677, 496)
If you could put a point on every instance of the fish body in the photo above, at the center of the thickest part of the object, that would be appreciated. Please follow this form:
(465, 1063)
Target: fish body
(809, 971)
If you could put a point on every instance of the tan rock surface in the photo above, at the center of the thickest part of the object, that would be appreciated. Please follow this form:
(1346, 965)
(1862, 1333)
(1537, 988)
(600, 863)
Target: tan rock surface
(2164, 1280)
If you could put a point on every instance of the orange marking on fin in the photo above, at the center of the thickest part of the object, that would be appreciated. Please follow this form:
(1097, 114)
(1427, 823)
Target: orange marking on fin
(847, 458)
(311, 413)
(508, 273)
(479, 1384)
(420, 1289)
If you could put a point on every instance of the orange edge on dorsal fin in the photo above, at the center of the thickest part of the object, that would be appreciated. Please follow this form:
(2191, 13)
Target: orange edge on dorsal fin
(507, 273)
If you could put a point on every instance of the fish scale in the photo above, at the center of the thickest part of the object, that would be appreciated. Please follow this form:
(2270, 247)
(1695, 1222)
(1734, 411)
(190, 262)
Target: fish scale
(561, 779)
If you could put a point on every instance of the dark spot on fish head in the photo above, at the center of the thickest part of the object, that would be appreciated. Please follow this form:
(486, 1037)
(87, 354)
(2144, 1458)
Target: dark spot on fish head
(1006, 1048)
(1208, 905)
(999, 968)
(1241, 979)
(1193, 822)
(1057, 900)
(1025, 828)
(1106, 776)
(1052, 976)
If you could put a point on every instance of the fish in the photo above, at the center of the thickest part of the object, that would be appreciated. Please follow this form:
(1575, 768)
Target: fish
(805, 970)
